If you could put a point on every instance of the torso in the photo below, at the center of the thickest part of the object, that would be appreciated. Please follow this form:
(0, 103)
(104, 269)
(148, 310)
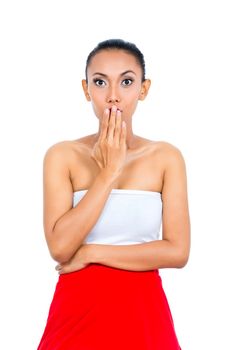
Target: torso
(143, 169)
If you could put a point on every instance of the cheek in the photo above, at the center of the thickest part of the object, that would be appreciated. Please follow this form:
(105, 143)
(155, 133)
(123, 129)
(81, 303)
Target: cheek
(129, 108)
(97, 106)
(132, 99)
(97, 98)
(133, 94)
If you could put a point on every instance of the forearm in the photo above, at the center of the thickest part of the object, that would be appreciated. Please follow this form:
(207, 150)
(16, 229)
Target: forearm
(139, 257)
(73, 227)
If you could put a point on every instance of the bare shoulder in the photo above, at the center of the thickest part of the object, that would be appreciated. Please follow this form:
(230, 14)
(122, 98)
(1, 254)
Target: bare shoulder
(174, 169)
(58, 149)
(167, 152)
(64, 150)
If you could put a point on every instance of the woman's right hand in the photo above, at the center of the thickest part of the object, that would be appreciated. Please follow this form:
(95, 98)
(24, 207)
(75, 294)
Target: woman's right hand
(109, 151)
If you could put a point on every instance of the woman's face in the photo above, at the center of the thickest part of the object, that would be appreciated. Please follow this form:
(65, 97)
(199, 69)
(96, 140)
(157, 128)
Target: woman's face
(115, 78)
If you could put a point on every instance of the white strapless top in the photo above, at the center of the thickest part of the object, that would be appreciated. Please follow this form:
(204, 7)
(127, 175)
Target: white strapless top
(128, 217)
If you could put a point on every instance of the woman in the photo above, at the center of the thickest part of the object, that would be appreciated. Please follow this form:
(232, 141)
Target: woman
(105, 197)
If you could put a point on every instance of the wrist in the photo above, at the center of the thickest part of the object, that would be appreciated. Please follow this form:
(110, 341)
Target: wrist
(108, 176)
(90, 254)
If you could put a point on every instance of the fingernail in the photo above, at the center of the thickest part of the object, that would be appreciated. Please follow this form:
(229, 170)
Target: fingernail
(114, 108)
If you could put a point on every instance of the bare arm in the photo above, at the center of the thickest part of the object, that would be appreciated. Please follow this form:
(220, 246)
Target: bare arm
(138, 257)
(66, 227)
(66, 233)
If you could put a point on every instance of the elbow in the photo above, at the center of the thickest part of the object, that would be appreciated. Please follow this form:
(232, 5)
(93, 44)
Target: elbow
(59, 248)
(59, 257)
(182, 259)
(59, 254)
(62, 252)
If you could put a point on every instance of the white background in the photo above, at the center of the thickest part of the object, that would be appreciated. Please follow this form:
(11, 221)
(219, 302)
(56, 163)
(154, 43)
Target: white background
(188, 50)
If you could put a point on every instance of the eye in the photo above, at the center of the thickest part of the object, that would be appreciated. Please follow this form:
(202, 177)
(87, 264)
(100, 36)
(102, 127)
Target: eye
(127, 82)
(99, 82)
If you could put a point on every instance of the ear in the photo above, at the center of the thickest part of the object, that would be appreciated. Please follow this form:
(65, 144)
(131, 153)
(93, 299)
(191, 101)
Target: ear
(144, 89)
(85, 89)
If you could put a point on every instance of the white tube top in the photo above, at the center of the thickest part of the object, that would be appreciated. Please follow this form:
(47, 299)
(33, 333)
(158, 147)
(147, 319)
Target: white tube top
(128, 217)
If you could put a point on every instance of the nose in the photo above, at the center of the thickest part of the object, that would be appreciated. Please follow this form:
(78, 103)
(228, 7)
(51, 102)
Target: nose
(113, 96)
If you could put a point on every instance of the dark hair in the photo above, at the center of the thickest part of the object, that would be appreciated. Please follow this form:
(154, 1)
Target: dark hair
(118, 44)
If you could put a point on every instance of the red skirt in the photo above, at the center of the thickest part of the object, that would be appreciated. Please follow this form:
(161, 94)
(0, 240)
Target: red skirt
(105, 308)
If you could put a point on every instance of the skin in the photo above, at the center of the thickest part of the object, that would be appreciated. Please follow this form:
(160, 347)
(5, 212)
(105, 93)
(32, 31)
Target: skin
(114, 157)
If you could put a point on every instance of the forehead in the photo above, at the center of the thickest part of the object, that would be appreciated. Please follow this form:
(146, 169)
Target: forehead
(112, 62)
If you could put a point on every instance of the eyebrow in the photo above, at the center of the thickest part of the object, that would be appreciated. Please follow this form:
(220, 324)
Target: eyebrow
(124, 73)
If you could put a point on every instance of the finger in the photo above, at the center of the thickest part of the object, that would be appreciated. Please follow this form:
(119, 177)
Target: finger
(111, 124)
(117, 130)
(104, 125)
(58, 267)
(123, 133)
(64, 269)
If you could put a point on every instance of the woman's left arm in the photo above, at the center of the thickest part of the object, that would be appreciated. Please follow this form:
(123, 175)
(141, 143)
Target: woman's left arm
(172, 251)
